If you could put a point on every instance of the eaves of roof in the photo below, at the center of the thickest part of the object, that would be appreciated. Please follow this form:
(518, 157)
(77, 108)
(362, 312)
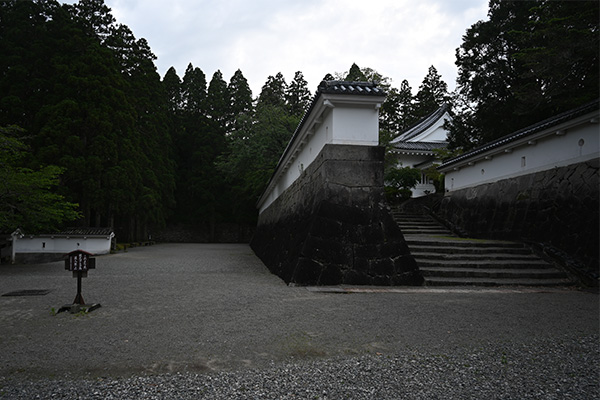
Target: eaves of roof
(74, 232)
(524, 133)
(422, 125)
(419, 146)
(86, 231)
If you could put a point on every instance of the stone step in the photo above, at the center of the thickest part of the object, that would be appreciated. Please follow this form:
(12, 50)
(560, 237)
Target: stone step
(448, 241)
(485, 264)
(447, 260)
(469, 250)
(399, 217)
(473, 256)
(500, 273)
(415, 220)
(418, 223)
(425, 231)
(445, 281)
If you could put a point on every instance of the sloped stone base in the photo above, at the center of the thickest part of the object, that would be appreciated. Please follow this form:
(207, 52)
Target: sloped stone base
(332, 226)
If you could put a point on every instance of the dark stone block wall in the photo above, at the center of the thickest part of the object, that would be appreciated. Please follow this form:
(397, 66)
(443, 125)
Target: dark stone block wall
(558, 207)
(332, 226)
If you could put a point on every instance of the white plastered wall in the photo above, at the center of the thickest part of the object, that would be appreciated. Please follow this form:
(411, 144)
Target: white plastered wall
(559, 148)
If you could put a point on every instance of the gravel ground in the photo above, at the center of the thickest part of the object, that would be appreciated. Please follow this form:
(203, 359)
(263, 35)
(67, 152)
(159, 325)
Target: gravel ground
(540, 370)
(210, 322)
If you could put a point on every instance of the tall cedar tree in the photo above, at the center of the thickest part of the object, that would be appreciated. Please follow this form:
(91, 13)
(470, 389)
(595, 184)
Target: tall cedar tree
(355, 74)
(397, 111)
(154, 163)
(172, 87)
(87, 93)
(273, 91)
(240, 95)
(188, 137)
(218, 101)
(256, 146)
(297, 95)
(432, 94)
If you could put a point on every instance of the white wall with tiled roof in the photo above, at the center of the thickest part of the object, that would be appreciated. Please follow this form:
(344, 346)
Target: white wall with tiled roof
(568, 143)
(60, 243)
(333, 118)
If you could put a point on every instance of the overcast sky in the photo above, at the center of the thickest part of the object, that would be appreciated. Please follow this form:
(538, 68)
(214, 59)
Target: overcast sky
(398, 38)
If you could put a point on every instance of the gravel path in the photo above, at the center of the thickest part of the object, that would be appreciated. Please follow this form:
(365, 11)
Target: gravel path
(209, 322)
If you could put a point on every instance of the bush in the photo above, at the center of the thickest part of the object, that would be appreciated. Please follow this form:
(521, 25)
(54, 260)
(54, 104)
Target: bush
(399, 182)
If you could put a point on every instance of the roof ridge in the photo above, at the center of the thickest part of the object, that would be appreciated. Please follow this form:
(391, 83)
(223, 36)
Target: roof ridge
(350, 87)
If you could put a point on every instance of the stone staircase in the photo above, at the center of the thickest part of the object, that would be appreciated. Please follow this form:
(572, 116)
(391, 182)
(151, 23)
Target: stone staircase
(445, 259)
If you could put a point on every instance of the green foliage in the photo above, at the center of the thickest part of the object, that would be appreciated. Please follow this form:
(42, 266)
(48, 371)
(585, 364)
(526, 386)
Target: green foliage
(432, 93)
(355, 74)
(397, 111)
(28, 198)
(88, 94)
(527, 62)
(436, 177)
(218, 100)
(444, 154)
(241, 95)
(399, 181)
(297, 95)
(172, 87)
(255, 151)
(403, 177)
(273, 91)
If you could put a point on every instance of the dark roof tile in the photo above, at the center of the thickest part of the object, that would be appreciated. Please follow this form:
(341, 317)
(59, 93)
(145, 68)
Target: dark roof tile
(419, 146)
(86, 231)
(347, 87)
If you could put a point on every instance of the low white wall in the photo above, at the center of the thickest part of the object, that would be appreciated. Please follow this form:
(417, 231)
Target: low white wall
(35, 244)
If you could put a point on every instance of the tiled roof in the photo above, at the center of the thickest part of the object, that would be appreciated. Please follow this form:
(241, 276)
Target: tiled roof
(86, 231)
(346, 87)
(422, 125)
(530, 130)
(419, 146)
(71, 232)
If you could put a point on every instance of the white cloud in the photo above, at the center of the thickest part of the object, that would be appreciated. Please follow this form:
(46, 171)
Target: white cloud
(400, 39)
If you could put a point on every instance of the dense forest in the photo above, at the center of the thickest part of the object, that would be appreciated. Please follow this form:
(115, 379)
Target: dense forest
(91, 135)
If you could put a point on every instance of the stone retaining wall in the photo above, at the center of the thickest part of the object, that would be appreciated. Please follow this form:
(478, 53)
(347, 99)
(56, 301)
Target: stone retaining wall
(558, 207)
(332, 225)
